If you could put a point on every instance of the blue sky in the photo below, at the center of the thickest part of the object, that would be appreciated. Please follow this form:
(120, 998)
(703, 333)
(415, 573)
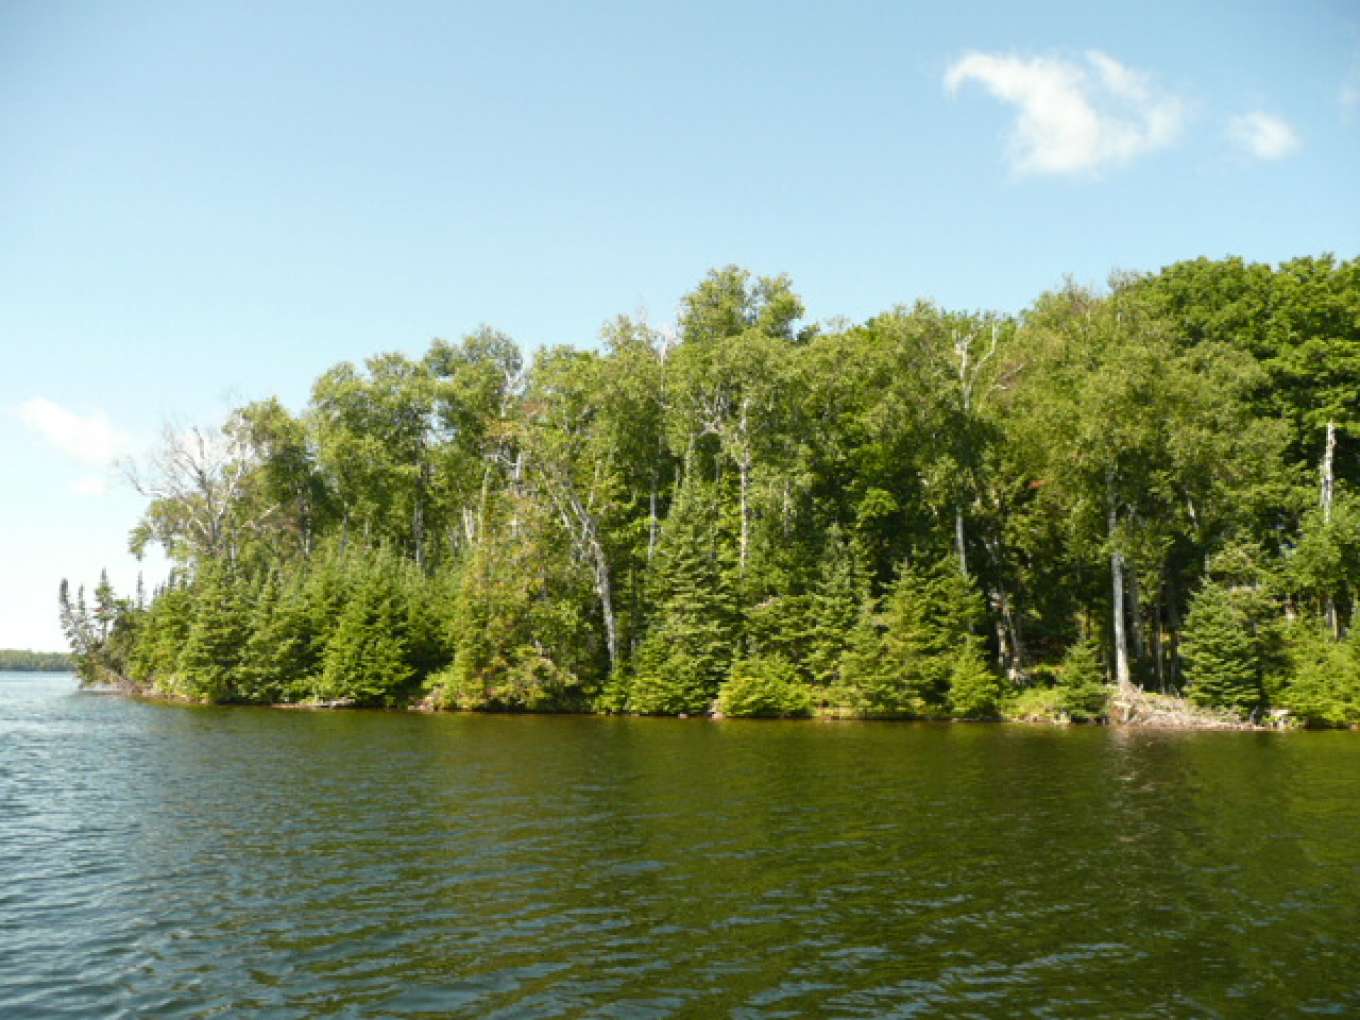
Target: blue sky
(205, 204)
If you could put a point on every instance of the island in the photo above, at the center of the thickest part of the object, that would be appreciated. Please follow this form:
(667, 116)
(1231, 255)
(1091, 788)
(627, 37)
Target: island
(1129, 502)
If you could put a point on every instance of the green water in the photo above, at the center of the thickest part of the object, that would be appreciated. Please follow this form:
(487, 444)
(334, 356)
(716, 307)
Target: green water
(166, 861)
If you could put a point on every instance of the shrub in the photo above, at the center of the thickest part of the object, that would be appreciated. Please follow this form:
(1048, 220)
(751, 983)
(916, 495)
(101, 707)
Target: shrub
(1035, 704)
(764, 687)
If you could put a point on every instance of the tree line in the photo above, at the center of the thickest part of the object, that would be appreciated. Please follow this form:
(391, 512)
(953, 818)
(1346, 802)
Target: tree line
(928, 514)
(34, 662)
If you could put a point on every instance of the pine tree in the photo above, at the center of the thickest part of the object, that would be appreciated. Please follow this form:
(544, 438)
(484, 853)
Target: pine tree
(217, 636)
(929, 618)
(105, 606)
(367, 658)
(842, 587)
(277, 664)
(164, 630)
(79, 630)
(1082, 691)
(973, 688)
(255, 674)
(867, 685)
(326, 589)
(689, 647)
(1223, 663)
(429, 603)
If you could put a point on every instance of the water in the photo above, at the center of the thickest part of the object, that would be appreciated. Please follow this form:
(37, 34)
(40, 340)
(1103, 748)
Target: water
(166, 861)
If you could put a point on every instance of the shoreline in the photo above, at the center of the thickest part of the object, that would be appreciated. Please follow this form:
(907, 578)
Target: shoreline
(1137, 710)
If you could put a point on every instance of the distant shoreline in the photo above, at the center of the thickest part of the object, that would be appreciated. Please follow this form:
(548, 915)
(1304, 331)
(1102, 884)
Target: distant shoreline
(23, 660)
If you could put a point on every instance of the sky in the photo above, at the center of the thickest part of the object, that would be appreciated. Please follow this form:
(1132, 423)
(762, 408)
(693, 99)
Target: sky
(205, 204)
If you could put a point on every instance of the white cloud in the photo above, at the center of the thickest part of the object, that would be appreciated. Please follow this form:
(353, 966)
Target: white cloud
(1074, 118)
(89, 439)
(1349, 97)
(1264, 135)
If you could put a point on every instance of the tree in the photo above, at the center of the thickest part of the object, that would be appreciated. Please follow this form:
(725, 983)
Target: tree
(278, 662)
(690, 644)
(929, 618)
(973, 689)
(519, 626)
(1082, 690)
(374, 434)
(1223, 664)
(367, 659)
(209, 663)
(842, 588)
(1142, 445)
(195, 481)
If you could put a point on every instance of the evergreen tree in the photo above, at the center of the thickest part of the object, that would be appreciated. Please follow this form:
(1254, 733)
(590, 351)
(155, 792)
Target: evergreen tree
(974, 692)
(105, 607)
(164, 630)
(326, 589)
(277, 662)
(1223, 663)
(842, 587)
(689, 647)
(929, 619)
(217, 636)
(367, 659)
(1082, 691)
(867, 684)
(79, 630)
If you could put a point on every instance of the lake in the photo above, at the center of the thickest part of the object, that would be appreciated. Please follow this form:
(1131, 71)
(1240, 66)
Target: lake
(191, 862)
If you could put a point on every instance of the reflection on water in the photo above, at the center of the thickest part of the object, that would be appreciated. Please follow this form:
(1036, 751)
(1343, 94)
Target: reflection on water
(169, 861)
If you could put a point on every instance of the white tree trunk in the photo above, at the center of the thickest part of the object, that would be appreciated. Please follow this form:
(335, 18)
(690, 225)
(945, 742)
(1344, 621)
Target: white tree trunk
(1328, 487)
(1123, 675)
(744, 471)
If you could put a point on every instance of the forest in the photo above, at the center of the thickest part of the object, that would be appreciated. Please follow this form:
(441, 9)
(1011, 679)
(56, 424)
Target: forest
(36, 662)
(1149, 486)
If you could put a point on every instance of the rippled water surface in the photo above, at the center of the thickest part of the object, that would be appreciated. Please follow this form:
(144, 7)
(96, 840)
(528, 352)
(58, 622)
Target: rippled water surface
(166, 861)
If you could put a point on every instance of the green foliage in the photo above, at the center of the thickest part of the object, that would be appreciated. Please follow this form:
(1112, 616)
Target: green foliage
(367, 659)
(1325, 563)
(929, 619)
(689, 646)
(765, 687)
(1035, 704)
(842, 587)
(209, 664)
(1083, 693)
(615, 528)
(1325, 685)
(278, 663)
(21, 659)
(162, 633)
(867, 684)
(974, 692)
(1222, 655)
(520, 627)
